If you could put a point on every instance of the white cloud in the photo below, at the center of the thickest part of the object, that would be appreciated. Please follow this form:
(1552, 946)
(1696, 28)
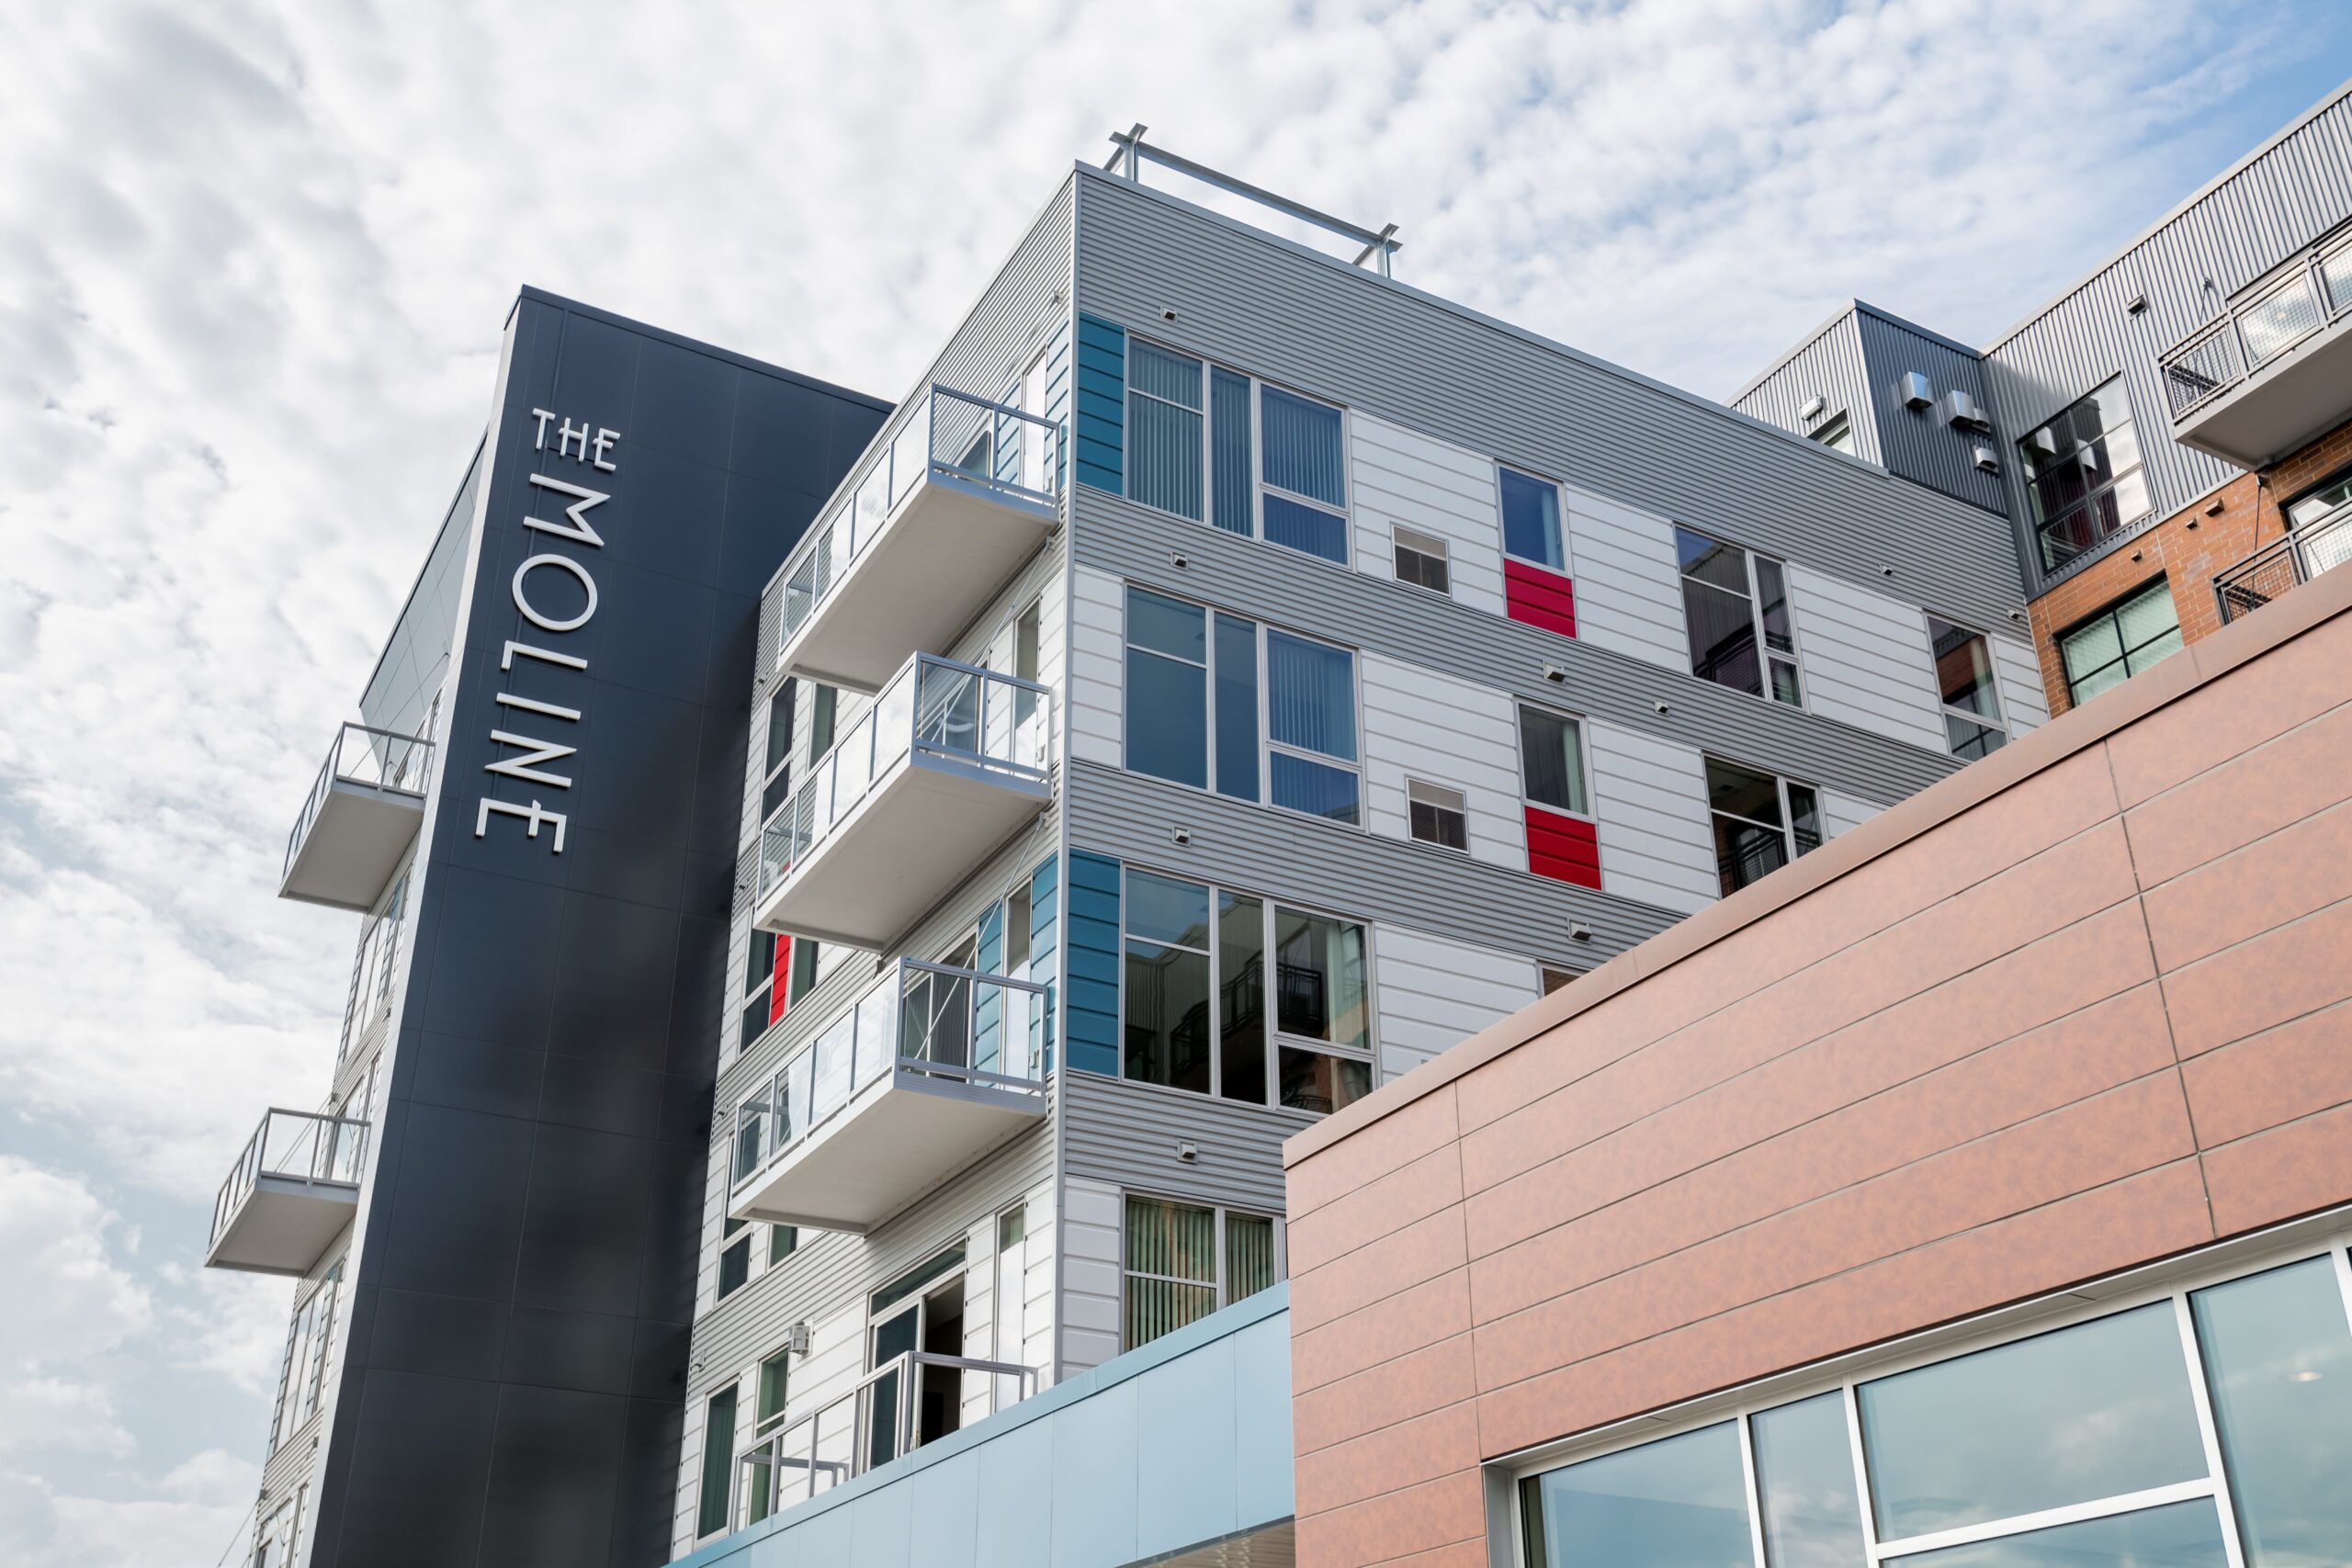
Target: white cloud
(55, 1415)
(200, 1508)
(72, 1301)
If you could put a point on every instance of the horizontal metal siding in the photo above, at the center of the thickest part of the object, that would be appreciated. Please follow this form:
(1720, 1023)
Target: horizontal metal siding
(1420, 725)
(1629, 586)
(1827, 365)
(1865, 659)
(1843, 813)
(1097, 667)
(1101, 402)
(1657, 838)
(1265, 306)
(1917, 444)
(1403, 479)
(2018, 674)
(1122, 540)
(1433, 994)
(2233, 234)
(1125, 1135)
(1259, 850)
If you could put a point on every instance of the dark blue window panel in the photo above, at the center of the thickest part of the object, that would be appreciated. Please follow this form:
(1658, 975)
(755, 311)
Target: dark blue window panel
(1229, 451)
(1306, 528)
(1311, 787)
(1303, 452)
(1237, 708)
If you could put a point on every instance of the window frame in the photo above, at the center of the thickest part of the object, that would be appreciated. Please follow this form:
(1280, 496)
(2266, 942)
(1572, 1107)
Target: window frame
(1845, 1375)
(1461, 808)
(734, 1237)
(1766, 654)
(1832, 430)
(1222, 1282)
(372, 963)
(2113, 611)
(1999, 721)
(1559, 516)
(1275, 1037)
(1441, 553)
(1787, 828)
(1574, 721)
(2038, 526)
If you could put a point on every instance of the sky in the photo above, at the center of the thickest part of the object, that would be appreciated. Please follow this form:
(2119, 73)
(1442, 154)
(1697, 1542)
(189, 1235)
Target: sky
(252, 251)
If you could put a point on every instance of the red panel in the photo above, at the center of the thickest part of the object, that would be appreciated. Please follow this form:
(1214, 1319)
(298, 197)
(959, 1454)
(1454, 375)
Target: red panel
(1562, 848)
(781, 981)
(1538, 597)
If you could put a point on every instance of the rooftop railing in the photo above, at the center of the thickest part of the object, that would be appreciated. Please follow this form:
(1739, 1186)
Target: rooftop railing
(2285, 564)
(300, 1145)
(360, 755)
(933, 1021)
(871, 1423)
(951, 435)
(950, 715)
(2314, 291)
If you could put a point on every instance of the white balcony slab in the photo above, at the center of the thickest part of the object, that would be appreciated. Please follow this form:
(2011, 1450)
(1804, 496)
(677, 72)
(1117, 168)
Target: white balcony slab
(2282, 407)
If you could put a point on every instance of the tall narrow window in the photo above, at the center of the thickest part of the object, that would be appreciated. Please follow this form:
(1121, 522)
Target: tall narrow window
(1761, 822)
(718, 1459)
(1320, 997)
(759, 987)
(273, 1544)
(782, 1242)
(1531, 519)
(2083, 475)
(1168, 982)
(734, 1261)
(1164, 419)
(777, 780)
(1551, 749)
(1229, 451)
(775, 1378)
(1311, 726)
(1965, 681)
(1304, 493)
(2120, 641)
(2278, 1365)
(1237, 707)
(1735, 606)
(1167, 697)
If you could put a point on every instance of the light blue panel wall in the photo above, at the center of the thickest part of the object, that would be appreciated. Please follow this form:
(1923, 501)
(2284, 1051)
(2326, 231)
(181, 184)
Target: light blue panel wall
(1183, 1442)
(1095, 1447)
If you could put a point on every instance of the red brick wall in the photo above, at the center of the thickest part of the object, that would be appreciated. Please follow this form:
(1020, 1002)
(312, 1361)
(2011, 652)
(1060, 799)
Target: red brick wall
(2085, 1004)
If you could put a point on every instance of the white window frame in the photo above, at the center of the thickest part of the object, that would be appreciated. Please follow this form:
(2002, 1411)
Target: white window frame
(1564, 571)
(1766, 654)
(1224, 1297)
(1415, 789)
(370, 999)
(1368, 1053)
(2000, 717)
(1584, 760)
(1788, 827)
(1402, 540)
(2030, 1320)
(1830, 429)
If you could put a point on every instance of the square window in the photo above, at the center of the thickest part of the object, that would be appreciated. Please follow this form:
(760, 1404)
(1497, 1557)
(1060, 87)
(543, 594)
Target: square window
(1439, 816)
(1421, 560)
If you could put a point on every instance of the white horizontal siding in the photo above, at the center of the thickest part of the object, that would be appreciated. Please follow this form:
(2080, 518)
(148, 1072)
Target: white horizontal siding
(1403, 478)
(1865, 659)
(1843, 813)
(1097, 638)
(1433, 994)
(1092, 1217)
(1650, 800)
(1421, 725)
(1628, 590)
(2016, 676)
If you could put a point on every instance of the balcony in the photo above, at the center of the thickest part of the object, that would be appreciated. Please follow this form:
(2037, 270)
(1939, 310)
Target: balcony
(2274, 373)
(2285, 564)
(294, 1189)
(965, 492)
(360, 819)
(949, 762)
(895, 1409)
(928, 1071)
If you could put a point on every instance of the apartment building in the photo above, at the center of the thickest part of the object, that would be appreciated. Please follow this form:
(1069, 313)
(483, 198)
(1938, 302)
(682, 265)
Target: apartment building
(2168, 435)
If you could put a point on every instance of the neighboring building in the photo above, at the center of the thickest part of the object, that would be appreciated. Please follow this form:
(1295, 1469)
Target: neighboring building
(2170, 433)
(1975, 1192)
(1229, 678)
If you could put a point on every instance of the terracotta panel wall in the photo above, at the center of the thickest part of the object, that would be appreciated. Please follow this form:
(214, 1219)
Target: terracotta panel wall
(2085, 1005)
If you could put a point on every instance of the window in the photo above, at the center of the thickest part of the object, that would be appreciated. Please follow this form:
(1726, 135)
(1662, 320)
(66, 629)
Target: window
(1191, 431)
(782, 1242)
(717, 1458)
(734, 1260)
(1551, 760)
(774, 1384)
(1837, 435)
(1735, 605)
(2120, 641)
(302, 1375)
(2083, 477)
(1438, 816)
(824, 706)
(2085, 1444)
(371, 968)
(1188, 946)
(1761, 823)
(1553, 978)
(1965, 680)
(1193, 706)
(274, 1544)
(1179, 1267)
(1531, 510)
(776, 779)
(1421, 560)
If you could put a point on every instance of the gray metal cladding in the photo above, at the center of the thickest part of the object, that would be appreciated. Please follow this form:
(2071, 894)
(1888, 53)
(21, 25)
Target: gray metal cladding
(1256, 849)
(1284, 587)
(1262, 305)
(2285, 196)
(1126, 1135)
(1828, 366)
(1917, 444)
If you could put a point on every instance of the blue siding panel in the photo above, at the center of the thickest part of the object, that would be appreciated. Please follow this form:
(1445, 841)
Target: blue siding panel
(1045, 941)
(1101, 403)
(1093, 1002)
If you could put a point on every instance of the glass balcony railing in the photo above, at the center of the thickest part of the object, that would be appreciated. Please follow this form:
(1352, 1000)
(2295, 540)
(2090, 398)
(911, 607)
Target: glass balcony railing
(359, 818)
(2285, 564)
(935, 713)
(952, 438)
(260, 1219)
(928, 1023)
(375, 758)
(2315, 291)
(871, 1425)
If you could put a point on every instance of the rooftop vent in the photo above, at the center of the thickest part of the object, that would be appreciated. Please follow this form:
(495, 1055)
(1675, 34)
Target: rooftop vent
(1962, 413)
(1914, 390)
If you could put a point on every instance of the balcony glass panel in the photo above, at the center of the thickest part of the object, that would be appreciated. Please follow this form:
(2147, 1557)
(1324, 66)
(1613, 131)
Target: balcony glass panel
(2279, 319)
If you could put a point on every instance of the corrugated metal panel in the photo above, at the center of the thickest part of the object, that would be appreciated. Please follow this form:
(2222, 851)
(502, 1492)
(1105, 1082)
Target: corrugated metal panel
(1350, 872)
(1124, 1134)
(1919, 443)
(1420, 724)
(1091, 1001)
(1865, 659)
(1097, 655)
(1433, 993)
(1403, 479)
(1386, 349)
(1650, 799)
(2230, 235)
(1827, 365)
(1268, 583)
(1629, 589)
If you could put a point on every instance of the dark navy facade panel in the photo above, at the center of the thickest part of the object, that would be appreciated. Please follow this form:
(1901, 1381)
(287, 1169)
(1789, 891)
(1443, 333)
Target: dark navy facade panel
(513, 1392)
